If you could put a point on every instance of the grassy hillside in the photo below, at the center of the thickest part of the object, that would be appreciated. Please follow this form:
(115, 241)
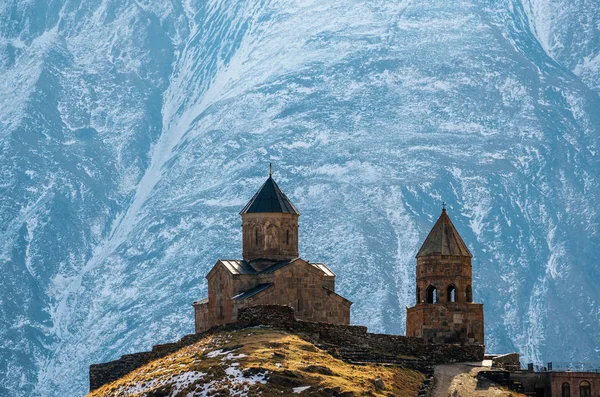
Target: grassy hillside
(260, 362)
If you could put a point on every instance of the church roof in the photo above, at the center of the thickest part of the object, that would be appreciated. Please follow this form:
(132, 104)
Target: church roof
(279, 265)
(443, 239)
(253, 291)
(244, 267)
(237, 266)
(323, 267)
(270, 198)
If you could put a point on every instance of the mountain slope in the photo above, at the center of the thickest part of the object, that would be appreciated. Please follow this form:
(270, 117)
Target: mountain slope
(260, 361)
(133, 132)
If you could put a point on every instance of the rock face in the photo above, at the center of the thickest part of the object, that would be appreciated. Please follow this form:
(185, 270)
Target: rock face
(133, 131)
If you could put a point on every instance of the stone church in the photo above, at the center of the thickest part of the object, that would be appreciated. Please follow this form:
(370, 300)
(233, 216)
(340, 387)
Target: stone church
(271, 272)
(444, 311)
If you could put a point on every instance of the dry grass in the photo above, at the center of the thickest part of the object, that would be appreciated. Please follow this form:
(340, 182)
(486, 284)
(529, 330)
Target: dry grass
(287, 360)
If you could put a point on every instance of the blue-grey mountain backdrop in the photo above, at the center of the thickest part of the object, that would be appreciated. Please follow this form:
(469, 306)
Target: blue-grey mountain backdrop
(133, 131)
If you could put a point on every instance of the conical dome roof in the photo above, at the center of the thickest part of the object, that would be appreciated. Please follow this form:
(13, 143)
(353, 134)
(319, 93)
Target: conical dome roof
(270, 198)
(443, 239)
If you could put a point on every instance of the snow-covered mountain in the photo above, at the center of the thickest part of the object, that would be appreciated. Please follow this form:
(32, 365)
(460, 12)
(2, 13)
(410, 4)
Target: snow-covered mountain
(133, 131)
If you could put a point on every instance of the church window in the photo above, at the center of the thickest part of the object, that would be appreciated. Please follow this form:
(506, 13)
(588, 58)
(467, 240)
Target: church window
(287, 237)
(418, 295)
(566, 390)
(451, 293)
(469, 294)
(585, 389)
(431, 294)
(256, 236)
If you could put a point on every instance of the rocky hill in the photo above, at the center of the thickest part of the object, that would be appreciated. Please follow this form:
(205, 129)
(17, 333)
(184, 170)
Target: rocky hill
(268, 350)
(260, 361)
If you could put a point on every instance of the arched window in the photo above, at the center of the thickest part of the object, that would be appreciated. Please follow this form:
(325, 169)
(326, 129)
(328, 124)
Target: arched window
(287, 237)
(256, 236)
(469, 294)
(431, 294)
(418, 295)
(585, 389)
(451, 293)
(566, 390)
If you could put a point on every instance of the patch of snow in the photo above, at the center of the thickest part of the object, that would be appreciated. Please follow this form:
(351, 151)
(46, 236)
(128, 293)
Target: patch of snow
(300, 389)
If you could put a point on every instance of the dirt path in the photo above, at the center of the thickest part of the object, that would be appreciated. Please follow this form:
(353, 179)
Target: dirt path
(459, 380)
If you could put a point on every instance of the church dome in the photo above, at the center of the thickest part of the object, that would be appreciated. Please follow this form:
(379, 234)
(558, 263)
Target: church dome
(270, 199)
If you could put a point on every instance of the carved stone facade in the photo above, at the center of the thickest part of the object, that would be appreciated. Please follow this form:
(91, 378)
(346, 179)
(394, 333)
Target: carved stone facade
(270, 273)
(444, 311)
(269, 235)
(575, 384)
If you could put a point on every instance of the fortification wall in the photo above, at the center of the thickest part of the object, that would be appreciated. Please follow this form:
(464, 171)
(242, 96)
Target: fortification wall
(350, 342)
(339, 335)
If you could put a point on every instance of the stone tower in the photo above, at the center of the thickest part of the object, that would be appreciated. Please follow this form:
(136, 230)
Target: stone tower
(444, 311)
(269, 226)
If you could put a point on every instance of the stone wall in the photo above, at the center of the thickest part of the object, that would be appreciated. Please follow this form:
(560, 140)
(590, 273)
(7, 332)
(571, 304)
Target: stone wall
(300, 286)
(269, 235)
(511, 361)
(449, 322)
(374, 345)
(101, 374)
(349, 342)
(574, 379)
(545, 383)
(221, 287)
(201, 319)
(443, 271)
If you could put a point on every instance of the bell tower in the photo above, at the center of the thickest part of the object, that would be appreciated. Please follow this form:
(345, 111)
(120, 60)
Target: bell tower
(444, 311)
(269, 227)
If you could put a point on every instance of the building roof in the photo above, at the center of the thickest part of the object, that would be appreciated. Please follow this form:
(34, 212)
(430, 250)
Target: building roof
(330, 292)
(244, 267)
(201, 302)
(278, 265)
(253, 291)
(238, 266)
(270, 198)
(323, 267)
(443, 239)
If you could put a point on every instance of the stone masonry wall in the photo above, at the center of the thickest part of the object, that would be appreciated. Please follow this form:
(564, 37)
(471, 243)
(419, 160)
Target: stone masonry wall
(574, 380)
(450, 322)
(101, 374)
(269, 235)
(201, 319)
(301, 287)
(357, 336)
(348, 342)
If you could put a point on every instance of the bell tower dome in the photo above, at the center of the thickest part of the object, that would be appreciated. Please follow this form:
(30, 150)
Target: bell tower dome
(269, 226)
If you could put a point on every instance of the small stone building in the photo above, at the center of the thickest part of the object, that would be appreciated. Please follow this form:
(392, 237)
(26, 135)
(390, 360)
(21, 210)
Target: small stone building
(444, 311)
(575, 384)
(271, 272)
